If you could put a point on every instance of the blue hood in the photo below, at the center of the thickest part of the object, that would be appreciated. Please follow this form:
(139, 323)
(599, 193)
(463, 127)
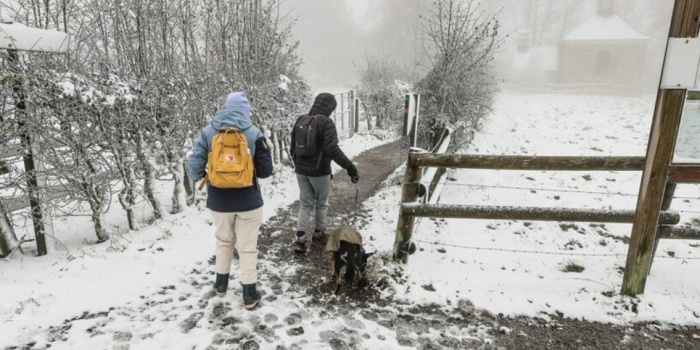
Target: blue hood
(238, 99)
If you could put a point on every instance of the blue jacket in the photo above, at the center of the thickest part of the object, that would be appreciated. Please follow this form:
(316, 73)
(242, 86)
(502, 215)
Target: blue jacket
(235, 113)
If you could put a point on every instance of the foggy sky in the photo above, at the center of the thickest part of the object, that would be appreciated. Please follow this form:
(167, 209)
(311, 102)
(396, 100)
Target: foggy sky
(336, 37)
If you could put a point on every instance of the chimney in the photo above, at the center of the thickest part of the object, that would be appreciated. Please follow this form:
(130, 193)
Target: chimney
(606, 8)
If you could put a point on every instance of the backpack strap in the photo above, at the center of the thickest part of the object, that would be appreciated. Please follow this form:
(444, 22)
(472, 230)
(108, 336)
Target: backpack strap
(204, 180)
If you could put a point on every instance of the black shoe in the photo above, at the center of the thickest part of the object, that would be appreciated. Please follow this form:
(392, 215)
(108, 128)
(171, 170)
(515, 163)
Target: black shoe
(299, 246)
(251, 297)
(319, 237)
(221, 284)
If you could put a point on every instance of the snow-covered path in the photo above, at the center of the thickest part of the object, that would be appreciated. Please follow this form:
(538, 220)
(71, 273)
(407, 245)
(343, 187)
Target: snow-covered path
(462, 289)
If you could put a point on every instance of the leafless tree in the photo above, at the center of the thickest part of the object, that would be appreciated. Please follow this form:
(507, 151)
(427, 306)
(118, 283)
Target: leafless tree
(382, 87)
(459, 89)
(144, 78)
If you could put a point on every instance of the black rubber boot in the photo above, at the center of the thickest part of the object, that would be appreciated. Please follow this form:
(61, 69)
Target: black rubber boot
(299, 244)
(251, 297)
(221, 284)
(319, 237)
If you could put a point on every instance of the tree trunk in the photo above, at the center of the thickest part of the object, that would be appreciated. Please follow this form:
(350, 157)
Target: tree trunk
(188, 185)
(149, 179)
(276, 154)
(178, 199)
(96, 201)
(127, 197)
(28, 158)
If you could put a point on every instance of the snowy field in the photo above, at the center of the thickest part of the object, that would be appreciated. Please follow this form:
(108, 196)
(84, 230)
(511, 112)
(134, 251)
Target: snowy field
(508, 267)
(518, 267)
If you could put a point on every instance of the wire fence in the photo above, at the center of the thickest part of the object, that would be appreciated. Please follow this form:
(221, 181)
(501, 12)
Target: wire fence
(560, 190)
(568, 253)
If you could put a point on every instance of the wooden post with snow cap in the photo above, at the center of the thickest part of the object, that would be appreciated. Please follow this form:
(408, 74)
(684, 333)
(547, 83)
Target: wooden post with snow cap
(662, 138)
(14, 38)
(404, 227)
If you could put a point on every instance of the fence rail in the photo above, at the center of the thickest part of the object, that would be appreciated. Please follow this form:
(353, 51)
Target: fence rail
(465, 161)
(413, 189)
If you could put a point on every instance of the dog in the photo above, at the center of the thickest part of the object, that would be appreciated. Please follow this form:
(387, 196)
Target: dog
(345, 243)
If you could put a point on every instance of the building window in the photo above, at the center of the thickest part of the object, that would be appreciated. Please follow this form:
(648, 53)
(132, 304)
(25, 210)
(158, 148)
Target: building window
(602, 62)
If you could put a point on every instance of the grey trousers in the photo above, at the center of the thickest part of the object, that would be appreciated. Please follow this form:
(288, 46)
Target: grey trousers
(313, 194)
(239, 230)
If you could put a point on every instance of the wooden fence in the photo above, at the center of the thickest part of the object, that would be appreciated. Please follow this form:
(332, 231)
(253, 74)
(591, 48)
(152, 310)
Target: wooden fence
(412, 206)
(349, 116)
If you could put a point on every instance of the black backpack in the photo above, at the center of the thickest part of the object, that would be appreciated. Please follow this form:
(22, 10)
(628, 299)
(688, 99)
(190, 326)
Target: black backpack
(306, 136)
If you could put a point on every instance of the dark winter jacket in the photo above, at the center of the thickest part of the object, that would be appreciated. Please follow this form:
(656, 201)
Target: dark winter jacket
(320, 164)
(235, 113)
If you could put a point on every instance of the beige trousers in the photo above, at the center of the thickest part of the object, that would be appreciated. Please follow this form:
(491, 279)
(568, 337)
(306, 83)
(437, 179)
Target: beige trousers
(239, 230)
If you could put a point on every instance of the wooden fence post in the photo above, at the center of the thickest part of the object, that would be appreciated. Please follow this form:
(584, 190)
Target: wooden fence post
(351, 113)
(342, 111)
(356, 114)
(406, 126)
(410, 118)
(404, 228)
(416, 116)
(662, 138)
(28, 158)
(665, 205)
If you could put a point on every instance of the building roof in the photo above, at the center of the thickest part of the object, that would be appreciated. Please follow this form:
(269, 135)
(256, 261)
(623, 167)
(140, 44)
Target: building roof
(599, 28)
(16, 36)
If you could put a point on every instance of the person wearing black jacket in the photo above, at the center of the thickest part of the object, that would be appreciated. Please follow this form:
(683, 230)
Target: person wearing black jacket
(314, 172)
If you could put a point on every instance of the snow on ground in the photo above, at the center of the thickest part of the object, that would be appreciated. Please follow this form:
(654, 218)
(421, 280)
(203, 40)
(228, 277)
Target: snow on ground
(508, 267)
(519, 267)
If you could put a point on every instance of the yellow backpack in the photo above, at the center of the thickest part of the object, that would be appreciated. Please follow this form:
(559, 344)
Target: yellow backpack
(230, 164)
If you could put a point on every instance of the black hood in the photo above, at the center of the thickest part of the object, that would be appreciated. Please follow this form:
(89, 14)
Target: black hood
(323, 104)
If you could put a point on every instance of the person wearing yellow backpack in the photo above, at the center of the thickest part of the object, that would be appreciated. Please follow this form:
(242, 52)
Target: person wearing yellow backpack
(235, 201)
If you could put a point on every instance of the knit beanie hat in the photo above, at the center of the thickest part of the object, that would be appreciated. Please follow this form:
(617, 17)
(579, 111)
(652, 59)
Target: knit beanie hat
(238, 99)
(323, 104)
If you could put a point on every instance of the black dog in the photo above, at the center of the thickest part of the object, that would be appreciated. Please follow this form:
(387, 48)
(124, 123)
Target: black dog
(346, 245)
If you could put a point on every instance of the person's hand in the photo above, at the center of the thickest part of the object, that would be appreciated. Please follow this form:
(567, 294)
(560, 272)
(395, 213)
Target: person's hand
(352, 172)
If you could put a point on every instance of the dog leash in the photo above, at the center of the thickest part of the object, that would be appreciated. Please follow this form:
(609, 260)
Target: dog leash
(354, 210)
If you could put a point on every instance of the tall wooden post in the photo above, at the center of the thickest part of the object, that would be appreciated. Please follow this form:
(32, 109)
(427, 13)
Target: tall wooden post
(404, 227)
(28, 158)
(356, 114)
(406, 124)
(410, 118)
(352, 123)
(662, 138)
(414, 128)
(342, 111)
